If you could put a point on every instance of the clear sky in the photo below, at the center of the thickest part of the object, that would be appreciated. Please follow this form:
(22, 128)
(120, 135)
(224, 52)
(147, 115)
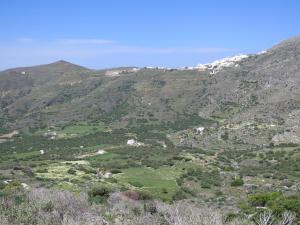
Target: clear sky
(109, 33)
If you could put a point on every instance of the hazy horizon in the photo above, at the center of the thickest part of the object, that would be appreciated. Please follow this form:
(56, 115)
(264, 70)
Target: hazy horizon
(112, 34)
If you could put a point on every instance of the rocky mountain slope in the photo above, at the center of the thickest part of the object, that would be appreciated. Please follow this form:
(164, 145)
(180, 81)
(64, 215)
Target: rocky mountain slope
(254, 89)
(221, 135)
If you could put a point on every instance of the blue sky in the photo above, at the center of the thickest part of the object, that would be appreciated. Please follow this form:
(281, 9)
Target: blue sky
(173, 33)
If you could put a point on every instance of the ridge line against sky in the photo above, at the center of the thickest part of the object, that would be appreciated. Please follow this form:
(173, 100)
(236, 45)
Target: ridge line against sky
(101, 34)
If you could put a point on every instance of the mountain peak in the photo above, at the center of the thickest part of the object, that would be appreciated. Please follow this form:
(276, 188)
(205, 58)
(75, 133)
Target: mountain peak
(291, 43)
(295, 39)
(64, 63)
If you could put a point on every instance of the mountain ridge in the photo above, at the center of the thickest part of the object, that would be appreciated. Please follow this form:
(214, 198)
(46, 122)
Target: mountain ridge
(293, 41)
(258, 87)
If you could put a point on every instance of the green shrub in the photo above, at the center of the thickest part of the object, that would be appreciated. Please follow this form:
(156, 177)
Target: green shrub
(189, 191)
(13, 186)
(144, 195)
(72, 171)
(275, 201)
(164, 190)
(99, 194)
(86, 169)
(2, 185)
(261, 199)
(179, 195)
(115, 171)
(86, 177)
(42, 170)
(207, 179)
(3, 194)
(48, 207)
(28, 171)
(205, 185)
(237, 182)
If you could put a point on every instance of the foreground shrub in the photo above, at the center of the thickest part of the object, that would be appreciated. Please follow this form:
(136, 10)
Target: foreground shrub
(276, 202)
(48, 207)
(51, 207)
(99, 194)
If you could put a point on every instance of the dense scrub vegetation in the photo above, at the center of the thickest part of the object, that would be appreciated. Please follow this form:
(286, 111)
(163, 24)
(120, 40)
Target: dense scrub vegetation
(51, 207)
(153, 179)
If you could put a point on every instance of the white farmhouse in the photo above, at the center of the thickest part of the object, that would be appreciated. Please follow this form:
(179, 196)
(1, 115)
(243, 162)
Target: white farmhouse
(100, 152)
(200, 130)
(133, 142)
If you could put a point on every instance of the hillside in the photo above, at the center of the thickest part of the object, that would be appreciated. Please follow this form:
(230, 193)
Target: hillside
(224, 135)
(260, 87)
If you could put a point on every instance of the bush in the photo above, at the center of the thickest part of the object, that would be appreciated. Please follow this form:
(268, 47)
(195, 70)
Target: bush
(208, 179)
(276, 201)
(47, 207)
(2, 185)
(86, 177)
(87, 170)
(99, 194)
(205, 185)
(13, 186)
(237, 182)
(42, 170)
(115, 171)
(261, 199)
(144, 195)
(179, 195)
(72, 171)
(28, 171)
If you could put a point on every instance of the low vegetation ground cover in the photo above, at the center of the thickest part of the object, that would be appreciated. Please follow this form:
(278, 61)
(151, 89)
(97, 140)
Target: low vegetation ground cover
(99, 162)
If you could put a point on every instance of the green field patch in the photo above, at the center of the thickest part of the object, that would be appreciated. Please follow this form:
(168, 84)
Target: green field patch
(160, 182)
(73, 130)
(27, 155)
(81, 129)
(104, 157)
(95, 152)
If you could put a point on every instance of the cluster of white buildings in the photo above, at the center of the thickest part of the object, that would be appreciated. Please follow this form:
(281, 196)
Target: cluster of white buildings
(133, 142)
(213, 67)
(199, 130)
(217, 65)
(117, 72)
